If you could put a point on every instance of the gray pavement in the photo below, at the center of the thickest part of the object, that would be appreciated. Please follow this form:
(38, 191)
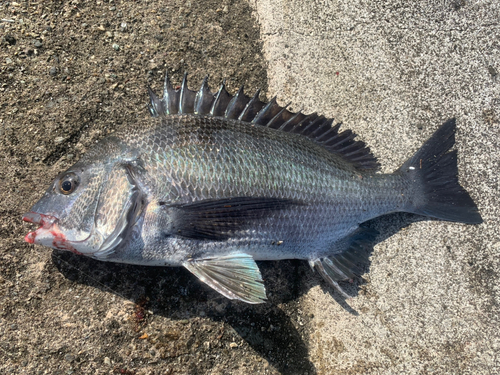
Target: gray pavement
(393, 71)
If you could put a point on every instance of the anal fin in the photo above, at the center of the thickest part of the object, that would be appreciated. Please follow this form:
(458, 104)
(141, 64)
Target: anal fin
(235, 276)
(345, 264)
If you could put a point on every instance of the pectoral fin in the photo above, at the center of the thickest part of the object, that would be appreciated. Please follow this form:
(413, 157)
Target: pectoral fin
(217, 219)
(235, 276)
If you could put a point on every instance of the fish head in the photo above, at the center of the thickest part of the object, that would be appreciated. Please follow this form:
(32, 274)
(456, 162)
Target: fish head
(82, 208)
(65, 214)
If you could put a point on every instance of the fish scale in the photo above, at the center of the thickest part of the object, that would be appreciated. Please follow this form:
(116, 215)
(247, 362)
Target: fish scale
(214, 182)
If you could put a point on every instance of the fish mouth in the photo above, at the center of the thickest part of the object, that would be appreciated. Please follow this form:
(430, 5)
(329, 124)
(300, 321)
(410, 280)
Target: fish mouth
(45, 223)
(48, 233)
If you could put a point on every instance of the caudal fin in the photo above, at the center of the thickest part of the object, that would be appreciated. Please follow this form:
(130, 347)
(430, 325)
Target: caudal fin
(434, 175)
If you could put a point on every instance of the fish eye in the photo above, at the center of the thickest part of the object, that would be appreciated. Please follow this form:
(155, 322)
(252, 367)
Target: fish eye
(68, 183)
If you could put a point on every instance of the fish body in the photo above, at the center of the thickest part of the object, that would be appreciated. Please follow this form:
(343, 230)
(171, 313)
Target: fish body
(214, 182)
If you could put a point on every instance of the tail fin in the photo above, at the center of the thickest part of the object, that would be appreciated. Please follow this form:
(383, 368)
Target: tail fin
(433, 173)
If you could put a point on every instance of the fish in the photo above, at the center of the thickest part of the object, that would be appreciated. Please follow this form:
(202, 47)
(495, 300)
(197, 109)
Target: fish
(214, 182)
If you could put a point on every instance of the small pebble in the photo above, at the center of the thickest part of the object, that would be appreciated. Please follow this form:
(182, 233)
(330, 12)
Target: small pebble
(10, 39)
(107, 361)
(233, 345)
(116, 47)
(37, 44)
(53, 71)
(123, 26)
(493, 72)
(8, 60)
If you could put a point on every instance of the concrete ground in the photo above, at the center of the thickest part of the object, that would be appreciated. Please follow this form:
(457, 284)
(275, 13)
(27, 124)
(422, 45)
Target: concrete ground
(393, 71)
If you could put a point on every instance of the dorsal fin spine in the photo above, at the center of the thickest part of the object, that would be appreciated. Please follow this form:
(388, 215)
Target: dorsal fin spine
(217, 97)
(154, 103)
(249, 105)
(241, 107)
(166, 91)
(314, 123)
(263, 113)
(234, 109)
(277, 116)
(334, 131)
(183, 94)
(290, 120)
(221, 101)
(203, 99)
(327, 125)
(301, 125)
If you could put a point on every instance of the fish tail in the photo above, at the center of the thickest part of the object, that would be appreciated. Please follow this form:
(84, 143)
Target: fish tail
(433, 175)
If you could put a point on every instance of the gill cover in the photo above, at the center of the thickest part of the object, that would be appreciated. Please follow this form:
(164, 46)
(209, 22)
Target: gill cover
(121, 205)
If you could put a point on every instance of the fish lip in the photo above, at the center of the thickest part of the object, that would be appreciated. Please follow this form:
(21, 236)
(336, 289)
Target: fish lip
(45, 222)
(49, 233)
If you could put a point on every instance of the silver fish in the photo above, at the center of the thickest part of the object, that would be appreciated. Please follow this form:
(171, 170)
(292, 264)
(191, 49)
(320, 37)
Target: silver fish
(214, 182)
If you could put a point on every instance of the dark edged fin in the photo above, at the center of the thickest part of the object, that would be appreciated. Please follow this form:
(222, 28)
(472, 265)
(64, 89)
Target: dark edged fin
(235, 276)
(237, 105)
(155, 104)
(169, 104)
(346, 264)
(281, 117)
(131, 211)
(433, 172)
(221, 104)
(267, 113)
(253, 107)
(203, 99)
(221, 101)
(186, 100)
(170, 97)
(216, 219)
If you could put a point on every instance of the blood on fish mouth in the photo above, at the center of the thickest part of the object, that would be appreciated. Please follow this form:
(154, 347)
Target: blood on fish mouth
(47, 229)
(45, 222)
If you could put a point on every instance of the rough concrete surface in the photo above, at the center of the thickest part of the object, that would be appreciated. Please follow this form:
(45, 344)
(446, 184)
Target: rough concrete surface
(73, 71)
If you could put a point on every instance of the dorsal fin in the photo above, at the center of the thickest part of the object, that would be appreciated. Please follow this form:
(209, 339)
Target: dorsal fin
(271, 114)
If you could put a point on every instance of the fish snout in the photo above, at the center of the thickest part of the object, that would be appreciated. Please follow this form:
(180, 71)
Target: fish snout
(45, 223)
(48, 232)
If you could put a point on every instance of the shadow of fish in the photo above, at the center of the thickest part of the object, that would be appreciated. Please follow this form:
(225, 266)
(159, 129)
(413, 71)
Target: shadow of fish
(214, 182)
